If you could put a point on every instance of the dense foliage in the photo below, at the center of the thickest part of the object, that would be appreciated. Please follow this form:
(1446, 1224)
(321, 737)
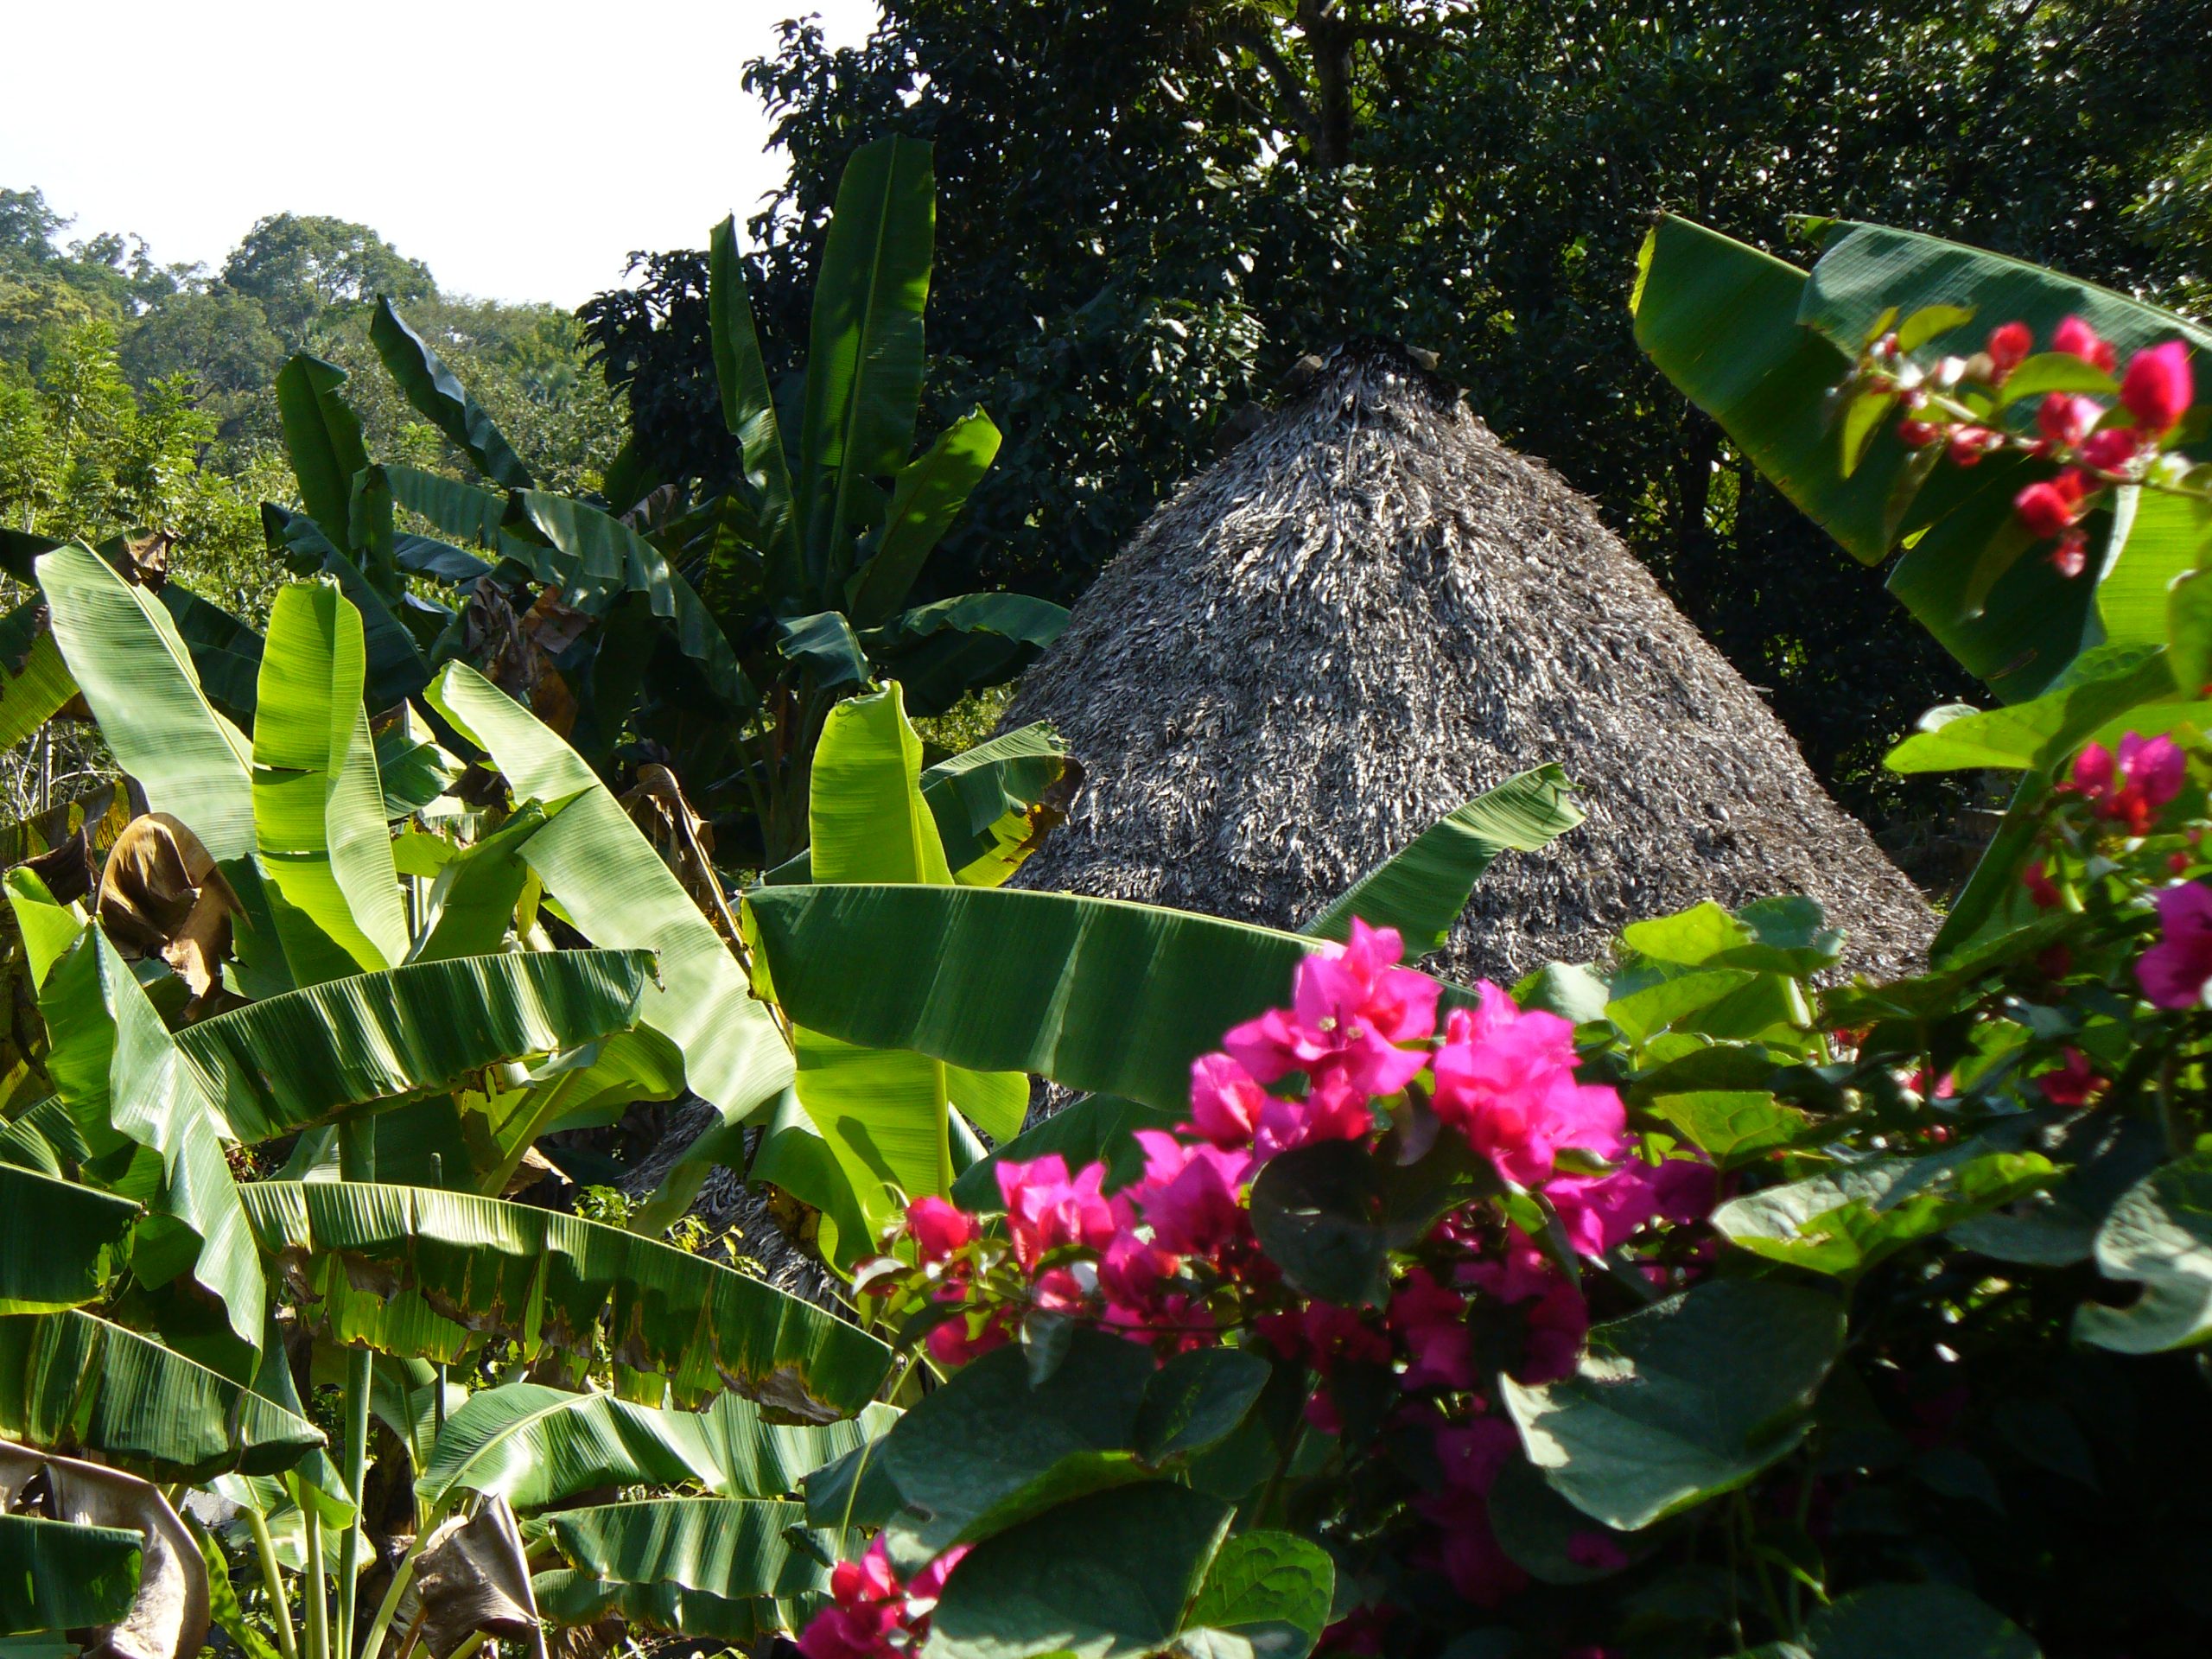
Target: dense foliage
(1139, 241)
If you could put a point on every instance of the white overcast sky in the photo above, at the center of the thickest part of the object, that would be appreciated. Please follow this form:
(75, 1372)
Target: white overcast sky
(521, 150)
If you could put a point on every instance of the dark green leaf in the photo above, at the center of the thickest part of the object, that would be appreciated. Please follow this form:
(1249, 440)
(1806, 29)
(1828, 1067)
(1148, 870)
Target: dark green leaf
(1928, 1621)
(1263, 1579)
(749, 412)
(59, 1241)
(2159, 1236)
(928, 495)
(442, 400)
(323, 438)
(57, 1576)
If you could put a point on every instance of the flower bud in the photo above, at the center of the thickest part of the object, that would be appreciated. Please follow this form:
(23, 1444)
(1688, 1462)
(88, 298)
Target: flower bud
(2158, 388)
(2009, 346)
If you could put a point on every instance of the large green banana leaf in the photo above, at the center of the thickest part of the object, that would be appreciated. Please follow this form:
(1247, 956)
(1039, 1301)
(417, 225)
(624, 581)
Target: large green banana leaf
(471, 904)
(122, 1076)
(57, 1576)
(565, 1596)
(1759, 345)
(992, 805)
(925, 498)
(749, 412)
(318, 801)
(614, 888)
(60, 1241)
(126, 657)
(941, 652)
(595, 558)
(74, 1382)
(323, 437)
(535, 1446)
(469, 511)
(396, 669)
(548, 1281)
(304, 1058)
(33, 680)
(864, 357)
(1092, 993)
(430, 385)
(1421, 890)
(734, 1549)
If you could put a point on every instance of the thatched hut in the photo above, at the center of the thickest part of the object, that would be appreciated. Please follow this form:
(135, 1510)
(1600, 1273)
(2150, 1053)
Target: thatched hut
(1371, 610)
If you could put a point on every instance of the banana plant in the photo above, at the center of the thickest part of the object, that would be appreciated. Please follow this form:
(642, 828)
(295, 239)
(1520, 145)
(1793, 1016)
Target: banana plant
(718, 623)
(294, 1040)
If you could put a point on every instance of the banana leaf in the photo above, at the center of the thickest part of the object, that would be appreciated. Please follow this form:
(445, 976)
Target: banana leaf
(941, 652)
(864, 356)
(535, 1446)
(124, 653)
(594, 559)
(926, 497)
(323, 437)
(305, 1058)
(60, 1241)
(471, 904)
(33, 680)
(318, 801)
(565, 1596)
(118, 1071)
(72, 1381)
(58, 1576)
(749, 412)
(1421, 890)
(396, 669)
(476, 515)
(1093, 993)
(734, 1549)
(613, 887)
(478, 1267)
(431, 388)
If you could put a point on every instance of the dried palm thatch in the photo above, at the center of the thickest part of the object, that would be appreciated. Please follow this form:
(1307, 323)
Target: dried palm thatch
(1371, 610)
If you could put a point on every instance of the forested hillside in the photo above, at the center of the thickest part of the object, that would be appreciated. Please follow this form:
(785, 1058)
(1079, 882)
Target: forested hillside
(135, 394)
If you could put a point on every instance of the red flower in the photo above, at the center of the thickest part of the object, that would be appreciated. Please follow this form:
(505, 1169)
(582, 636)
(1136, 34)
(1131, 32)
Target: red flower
(1225, 1101)
(2009, 346)
(2075, 338)
(1918, 435)
(2129, 789)
(2074, 1084)
(939, 1228)
(2064, 418)
(2157, 389)
(2110, 450)
(2051, 507)
(2041, 888)
(2070, 557)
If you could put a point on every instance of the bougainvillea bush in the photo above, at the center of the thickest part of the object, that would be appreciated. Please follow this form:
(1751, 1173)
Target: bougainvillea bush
(1689, 1308)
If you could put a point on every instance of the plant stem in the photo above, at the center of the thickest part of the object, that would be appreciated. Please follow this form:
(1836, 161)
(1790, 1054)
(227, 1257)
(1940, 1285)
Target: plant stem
(358, 1363)
(272, 1580)
(389, 1608)
(314, 1599)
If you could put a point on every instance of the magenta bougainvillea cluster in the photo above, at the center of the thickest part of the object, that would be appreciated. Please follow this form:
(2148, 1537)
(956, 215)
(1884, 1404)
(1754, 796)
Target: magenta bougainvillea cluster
(1172, 1260)
(2096, 444)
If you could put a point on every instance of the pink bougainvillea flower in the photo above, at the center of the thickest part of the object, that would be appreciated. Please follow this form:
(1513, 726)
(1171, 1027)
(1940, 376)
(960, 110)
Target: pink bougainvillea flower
(2042, 891)
(1189, 1194)
(2064, 418)
(2158, 388)
(1472, 1454)
(1505, 1079)
(2076, 1082)
(939, 1228)
(2129, 788)
(867, 1605)
(1468, 1551)
(1225, 1101)
(1601, 1555)
(1350, 1009)
(926, 1586)
(2049, 507)
(2110, 450)
(1131, 1274)
(1969, 443)
(2009, 345)
(1555, 1318)
(1044, 1209)
(953, 1345)
(2076, 339)
(1918, 435)
(1334, 1109)
(1431, 1319)
(2177, 971)
(1600, 1211)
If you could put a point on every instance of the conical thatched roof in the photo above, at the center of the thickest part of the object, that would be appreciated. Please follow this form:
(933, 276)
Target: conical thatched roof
(1371, 611)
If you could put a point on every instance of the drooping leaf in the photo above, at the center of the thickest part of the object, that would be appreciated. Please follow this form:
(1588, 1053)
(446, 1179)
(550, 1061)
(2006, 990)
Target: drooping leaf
(470, 512)
(1688, 1397)
(304, 1058)
(864, 358)
(566, 1596)
(1092, 993)
(471, 904)
(995, 802)
(71, 1380)
(1105, 1575)
(595, 558)
(749, 412)
(548, 1281)
(33, 680)
(319, 811)
(431, 388)
(124, 1079)
(927, 496)
(2044, 731)
(126, 655)
(1421, 890)
(60, 1241)
(322, 436)
(2159, 1235)
(823, 645)
(57, 1576)
(613, 887)
(734, 1550)
(943, 650)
